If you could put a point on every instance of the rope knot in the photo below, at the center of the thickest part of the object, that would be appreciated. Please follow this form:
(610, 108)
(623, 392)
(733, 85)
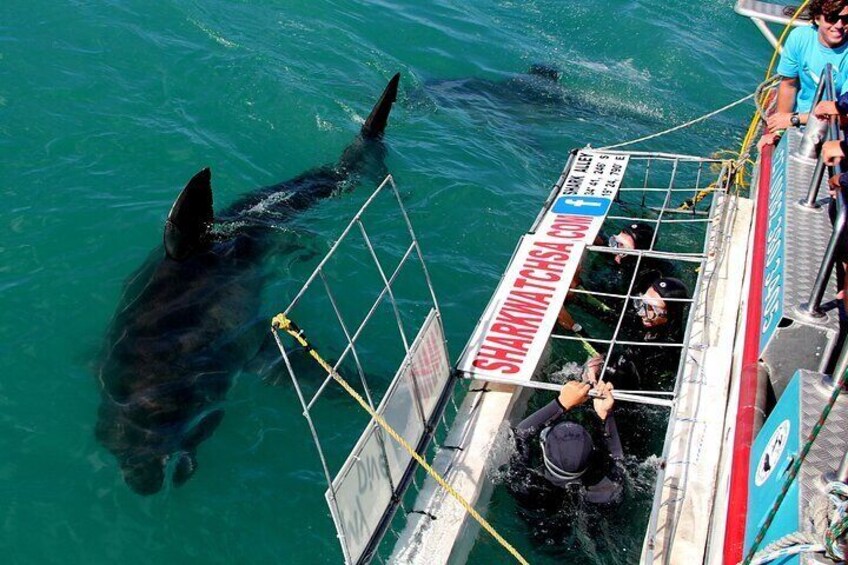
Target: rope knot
(281, 322)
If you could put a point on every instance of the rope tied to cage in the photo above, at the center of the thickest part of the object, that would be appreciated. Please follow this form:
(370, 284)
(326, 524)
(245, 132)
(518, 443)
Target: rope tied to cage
(281, 322)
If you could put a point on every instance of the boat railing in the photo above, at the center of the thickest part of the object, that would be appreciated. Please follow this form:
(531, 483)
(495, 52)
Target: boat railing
(817, 130)
(763, 13)
(814, 137)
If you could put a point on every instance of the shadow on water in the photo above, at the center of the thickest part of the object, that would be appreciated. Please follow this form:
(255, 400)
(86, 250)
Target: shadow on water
(535, 96)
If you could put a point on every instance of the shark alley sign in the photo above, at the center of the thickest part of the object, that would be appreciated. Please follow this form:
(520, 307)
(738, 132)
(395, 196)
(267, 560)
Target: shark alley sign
(511, 335)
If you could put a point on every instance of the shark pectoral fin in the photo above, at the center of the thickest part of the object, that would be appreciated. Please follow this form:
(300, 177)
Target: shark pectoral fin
(267, 361)
(189, 222)
(185, 467)
(201, 431)
(376, 122)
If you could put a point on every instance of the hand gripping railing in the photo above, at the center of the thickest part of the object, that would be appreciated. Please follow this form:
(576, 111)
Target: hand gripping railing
(816, 133)
(812, 308)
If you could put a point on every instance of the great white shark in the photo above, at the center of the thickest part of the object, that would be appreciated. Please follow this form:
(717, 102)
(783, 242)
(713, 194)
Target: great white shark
(182, 330)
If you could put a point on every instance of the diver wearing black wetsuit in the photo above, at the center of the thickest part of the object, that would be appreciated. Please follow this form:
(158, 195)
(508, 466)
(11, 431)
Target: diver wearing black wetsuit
(657, 320)
(569, 461)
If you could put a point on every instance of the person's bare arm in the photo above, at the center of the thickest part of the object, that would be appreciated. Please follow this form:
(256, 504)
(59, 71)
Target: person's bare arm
(786, 93)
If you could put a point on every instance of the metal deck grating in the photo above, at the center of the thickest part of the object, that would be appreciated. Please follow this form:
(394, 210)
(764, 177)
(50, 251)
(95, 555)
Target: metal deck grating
(827, 451)
(807, 234)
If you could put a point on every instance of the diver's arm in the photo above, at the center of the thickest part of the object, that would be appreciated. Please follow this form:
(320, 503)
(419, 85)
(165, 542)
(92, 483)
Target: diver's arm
(609, 489)
(531, 425)
(529, 428)
(571, 395)
(612, 440)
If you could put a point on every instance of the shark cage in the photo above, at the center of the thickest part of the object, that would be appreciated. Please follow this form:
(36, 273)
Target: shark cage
(372, 318)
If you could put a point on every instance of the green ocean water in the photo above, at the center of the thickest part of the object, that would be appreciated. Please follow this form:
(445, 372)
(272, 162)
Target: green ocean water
(108, 108)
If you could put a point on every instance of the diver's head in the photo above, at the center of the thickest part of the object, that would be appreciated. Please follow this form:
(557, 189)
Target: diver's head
(567, 451)
(632, 236)
(652, 306)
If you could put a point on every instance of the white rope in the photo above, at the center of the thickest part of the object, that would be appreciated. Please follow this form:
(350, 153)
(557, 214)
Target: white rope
(809, 542)
(681, 126)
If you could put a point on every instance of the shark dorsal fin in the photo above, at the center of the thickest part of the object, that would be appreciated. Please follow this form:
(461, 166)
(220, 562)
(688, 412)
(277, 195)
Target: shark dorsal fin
(376, 122)
(544, 71)
(190, 219)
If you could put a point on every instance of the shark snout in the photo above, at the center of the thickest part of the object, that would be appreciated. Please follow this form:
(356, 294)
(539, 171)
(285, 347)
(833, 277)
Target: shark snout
(144, 474)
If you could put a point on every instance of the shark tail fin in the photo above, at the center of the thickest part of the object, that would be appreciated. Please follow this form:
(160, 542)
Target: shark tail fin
(190, 219)
(376, 122)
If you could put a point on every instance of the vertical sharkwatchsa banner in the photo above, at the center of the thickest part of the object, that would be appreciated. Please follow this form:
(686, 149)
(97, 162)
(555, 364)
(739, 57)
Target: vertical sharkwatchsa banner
(511, 334)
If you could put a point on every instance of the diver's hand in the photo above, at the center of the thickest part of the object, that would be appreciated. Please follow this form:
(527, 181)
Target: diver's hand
(573, 394)
(603, 406)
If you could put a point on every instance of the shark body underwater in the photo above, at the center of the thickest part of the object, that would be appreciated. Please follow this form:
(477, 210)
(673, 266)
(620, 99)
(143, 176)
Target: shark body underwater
(182, 330)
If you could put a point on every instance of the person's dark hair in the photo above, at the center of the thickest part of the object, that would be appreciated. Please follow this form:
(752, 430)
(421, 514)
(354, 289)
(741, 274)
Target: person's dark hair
(669, 287)
(641, 233)
(820, 7)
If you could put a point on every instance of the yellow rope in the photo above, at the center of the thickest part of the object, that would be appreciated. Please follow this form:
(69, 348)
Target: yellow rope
(281, 322)
(588, 348)
(596, 303)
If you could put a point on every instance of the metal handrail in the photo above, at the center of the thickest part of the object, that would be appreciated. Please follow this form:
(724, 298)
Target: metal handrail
(815, 134)
(812, 308)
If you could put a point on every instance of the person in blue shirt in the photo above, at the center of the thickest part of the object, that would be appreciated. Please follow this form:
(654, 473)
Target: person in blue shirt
(806, 52)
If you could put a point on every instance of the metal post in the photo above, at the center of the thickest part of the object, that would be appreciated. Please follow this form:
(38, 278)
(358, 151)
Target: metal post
(816, 130)
(842, 473)
(811, 309)
(816, 133)
(813, 192)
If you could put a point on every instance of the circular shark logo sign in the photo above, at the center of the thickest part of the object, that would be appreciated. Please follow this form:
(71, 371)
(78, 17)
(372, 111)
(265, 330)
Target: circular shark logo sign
(771, 454)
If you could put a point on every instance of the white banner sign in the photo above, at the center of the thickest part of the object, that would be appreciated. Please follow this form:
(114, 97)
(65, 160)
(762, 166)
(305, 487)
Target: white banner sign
(364, 485)
(511, 335)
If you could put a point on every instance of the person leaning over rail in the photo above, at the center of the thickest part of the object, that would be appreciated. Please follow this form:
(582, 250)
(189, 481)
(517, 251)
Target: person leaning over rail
(808, 49)
(556, 457)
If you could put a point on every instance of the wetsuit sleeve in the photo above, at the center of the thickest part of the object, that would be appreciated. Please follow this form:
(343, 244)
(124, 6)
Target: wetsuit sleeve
(611, 438)
(609, 489)
(531, 425)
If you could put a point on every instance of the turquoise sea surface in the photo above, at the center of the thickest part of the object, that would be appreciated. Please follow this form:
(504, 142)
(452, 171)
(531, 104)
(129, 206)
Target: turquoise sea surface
(108, 108)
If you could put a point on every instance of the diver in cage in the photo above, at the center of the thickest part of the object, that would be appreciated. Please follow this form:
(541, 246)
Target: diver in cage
(657, 317)
(557, 457)
(635, 236)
